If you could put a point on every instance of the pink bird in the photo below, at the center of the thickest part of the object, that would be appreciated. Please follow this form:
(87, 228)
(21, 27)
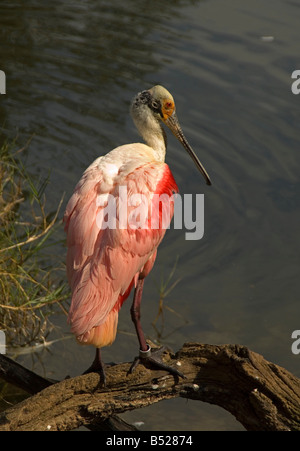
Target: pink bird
(115, 221)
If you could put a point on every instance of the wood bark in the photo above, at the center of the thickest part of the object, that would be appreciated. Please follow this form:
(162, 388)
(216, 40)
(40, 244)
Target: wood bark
(260, 394)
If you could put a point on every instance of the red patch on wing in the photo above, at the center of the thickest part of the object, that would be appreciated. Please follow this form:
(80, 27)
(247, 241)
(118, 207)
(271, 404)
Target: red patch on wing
(162, 206)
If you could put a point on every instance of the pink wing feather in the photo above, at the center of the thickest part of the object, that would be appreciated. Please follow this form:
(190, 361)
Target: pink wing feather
(103, 264)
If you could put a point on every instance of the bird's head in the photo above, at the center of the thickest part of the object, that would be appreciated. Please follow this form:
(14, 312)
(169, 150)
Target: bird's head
(160, 104)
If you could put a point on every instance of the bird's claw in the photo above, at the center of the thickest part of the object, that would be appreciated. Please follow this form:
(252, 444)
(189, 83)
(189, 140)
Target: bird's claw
(153, 356)
(97, 367)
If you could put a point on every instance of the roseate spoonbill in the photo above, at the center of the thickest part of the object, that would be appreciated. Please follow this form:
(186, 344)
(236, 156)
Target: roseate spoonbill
(105, 263)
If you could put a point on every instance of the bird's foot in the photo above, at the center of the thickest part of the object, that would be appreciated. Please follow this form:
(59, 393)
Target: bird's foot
(97, 367)
(153, 356)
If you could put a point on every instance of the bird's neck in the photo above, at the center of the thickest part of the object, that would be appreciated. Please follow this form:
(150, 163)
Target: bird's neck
(153, 134)
(158, 142)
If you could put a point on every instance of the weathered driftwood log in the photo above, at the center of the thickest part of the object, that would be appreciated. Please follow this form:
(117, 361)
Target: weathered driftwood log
(17, 375)
(30, 382)
(260, 394)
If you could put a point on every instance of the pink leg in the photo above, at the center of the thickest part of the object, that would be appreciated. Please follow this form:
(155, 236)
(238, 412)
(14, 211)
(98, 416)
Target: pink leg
(97, 367)
(136, 314)
(146, 355)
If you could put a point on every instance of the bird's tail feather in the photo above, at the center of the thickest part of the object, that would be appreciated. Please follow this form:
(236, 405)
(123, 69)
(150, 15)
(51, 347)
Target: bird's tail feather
(102, 335)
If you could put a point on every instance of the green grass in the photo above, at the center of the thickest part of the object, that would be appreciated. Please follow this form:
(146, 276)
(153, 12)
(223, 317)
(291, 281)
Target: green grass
(165, 287)
(30, 289)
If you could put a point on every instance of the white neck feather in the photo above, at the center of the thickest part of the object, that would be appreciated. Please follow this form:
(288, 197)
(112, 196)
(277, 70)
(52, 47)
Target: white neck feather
(151, 131)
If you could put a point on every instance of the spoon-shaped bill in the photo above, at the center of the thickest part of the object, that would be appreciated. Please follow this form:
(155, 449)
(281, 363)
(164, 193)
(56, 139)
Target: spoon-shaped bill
(173, 124)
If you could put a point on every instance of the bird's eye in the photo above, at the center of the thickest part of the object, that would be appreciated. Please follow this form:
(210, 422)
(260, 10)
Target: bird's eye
(155, 105)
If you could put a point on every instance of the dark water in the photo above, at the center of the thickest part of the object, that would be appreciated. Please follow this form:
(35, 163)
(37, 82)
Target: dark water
(72, 69)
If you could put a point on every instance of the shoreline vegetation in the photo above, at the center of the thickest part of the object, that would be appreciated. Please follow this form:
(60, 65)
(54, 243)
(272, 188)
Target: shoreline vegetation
(30, 287)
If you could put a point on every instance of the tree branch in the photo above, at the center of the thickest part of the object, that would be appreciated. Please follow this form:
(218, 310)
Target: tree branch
(260, 394)
(16, 374)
